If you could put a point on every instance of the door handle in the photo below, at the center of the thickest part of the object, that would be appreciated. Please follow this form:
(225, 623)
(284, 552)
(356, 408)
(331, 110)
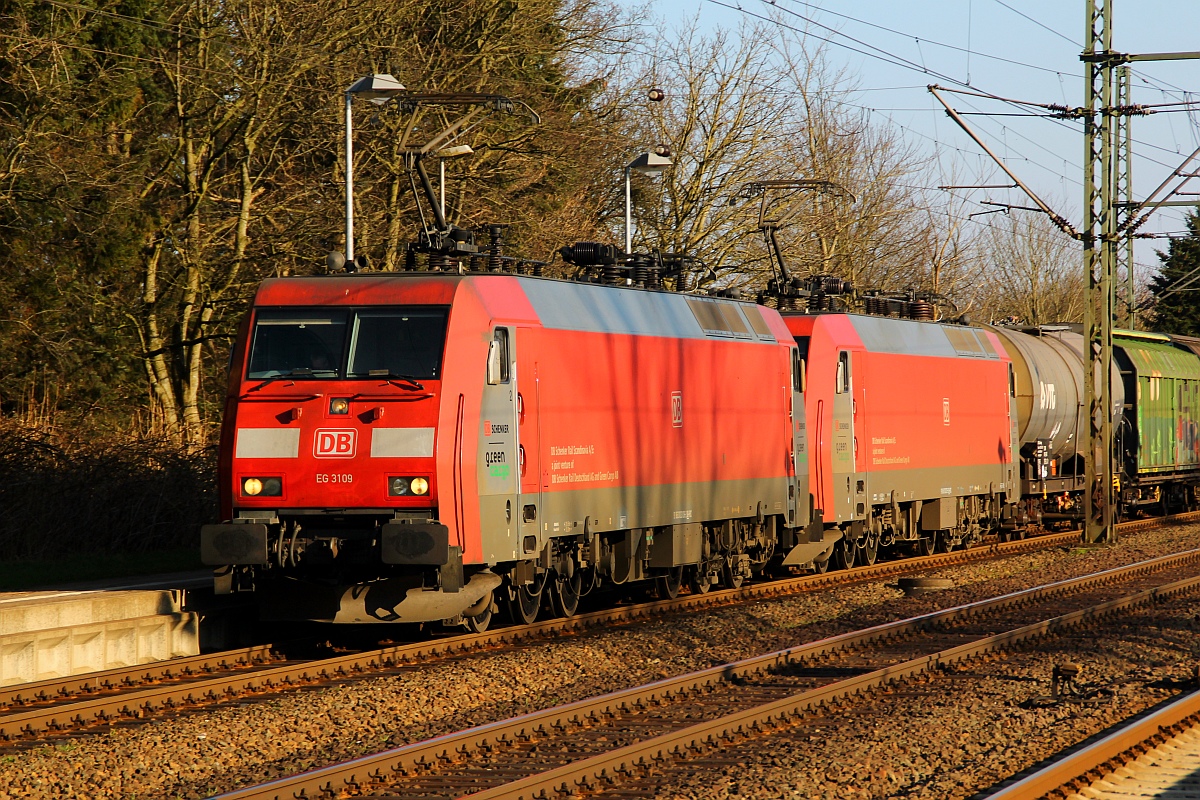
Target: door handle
(521, 459)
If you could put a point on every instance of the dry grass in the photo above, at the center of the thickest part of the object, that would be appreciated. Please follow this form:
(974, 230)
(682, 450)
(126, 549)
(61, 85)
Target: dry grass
(66, 492)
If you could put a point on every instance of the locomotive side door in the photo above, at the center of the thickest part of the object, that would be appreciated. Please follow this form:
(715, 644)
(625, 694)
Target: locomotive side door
(498, 469)
(798, 501)
(531, 481)
(859, 435)
(842, 456)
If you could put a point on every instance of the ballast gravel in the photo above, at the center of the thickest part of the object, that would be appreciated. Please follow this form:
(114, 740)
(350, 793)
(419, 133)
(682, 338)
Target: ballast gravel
(213, 750)
(962, 733)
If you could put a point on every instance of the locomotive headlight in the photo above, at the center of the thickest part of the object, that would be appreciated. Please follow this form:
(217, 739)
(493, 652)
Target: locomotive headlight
(262, 487)
(407, 487)
(339, 405)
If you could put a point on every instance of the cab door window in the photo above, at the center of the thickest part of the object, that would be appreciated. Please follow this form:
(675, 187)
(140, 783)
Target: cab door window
(842, 383)
(498, 358)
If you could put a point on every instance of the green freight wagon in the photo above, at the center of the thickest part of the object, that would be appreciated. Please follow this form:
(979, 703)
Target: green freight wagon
(1159, 438)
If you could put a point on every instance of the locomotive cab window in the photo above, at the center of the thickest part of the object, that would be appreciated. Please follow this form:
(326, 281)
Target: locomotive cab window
(800, 365)
(842, 384)
(404, 343)
(352, 343)
(297, 343)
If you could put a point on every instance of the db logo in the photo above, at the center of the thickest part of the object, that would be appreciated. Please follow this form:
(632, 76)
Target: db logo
(487, 427)
(677, 409)
(335, 444)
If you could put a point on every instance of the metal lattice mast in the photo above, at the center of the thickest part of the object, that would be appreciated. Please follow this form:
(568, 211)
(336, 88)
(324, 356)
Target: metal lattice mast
(1124, 183)
(1099, 260)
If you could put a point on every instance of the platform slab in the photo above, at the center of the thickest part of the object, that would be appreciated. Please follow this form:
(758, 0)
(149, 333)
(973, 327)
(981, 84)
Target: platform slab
(46, 635)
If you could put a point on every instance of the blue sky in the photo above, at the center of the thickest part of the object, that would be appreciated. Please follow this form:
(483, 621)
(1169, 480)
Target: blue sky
(1022, 49)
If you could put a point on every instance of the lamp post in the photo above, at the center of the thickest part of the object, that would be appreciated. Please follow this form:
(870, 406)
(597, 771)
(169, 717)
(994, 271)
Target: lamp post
(379, 88)
(647, 164)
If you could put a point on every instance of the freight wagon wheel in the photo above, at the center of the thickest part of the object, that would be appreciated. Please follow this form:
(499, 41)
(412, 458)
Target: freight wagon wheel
(844, 553)
(564, 594)
(669, 585)
(524, 601)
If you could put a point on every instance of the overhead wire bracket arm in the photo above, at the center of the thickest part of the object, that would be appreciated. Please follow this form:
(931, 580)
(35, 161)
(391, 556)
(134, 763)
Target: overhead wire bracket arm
(1133, 221)
(1058, 219)
(1008, 206)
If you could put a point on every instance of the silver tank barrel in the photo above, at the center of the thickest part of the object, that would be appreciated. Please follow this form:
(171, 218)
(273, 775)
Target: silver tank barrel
(1048, 367)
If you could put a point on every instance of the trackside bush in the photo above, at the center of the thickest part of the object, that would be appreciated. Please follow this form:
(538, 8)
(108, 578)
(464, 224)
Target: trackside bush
(64, 495)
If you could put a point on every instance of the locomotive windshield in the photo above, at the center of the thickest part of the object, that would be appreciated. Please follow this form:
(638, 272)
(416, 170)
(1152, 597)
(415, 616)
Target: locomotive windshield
(406, 344)
(351, 343)
(297, 343)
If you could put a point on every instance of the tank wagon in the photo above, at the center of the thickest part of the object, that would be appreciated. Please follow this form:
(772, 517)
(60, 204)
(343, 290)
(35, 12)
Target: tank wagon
(412, 447)
(1049, 390)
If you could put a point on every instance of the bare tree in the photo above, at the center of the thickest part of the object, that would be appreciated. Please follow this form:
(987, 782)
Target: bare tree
(759, 106)
(1031, 273)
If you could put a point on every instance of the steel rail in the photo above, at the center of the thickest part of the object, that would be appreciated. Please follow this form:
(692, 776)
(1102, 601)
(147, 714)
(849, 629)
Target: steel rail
(139, 703)
(753, 721)
(1078, 768)
(399, 762)
(23, 694)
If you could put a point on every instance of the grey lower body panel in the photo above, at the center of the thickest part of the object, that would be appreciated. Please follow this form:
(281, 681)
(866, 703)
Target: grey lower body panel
(600, 509)
(907, 485)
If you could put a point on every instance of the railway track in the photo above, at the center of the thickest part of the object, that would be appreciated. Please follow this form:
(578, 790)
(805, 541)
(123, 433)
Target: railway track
(628, 742)
(1153, 753)
(49, 708)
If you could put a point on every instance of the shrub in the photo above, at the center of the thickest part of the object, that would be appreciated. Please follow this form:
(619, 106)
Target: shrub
(67, 493)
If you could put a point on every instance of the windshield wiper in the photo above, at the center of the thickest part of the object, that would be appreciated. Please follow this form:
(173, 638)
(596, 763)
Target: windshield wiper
(299, 372)
(393, 377)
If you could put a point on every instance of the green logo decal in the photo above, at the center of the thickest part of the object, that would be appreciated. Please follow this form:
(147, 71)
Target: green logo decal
(498, 470)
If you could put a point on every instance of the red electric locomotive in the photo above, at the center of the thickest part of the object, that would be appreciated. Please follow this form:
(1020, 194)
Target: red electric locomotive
(913, 427)
(410, 447)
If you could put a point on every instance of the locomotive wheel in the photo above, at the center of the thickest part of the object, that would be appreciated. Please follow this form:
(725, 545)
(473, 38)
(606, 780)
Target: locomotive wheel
(480, 622)
(820, 565)
(699, 581)
(869, 550)
(730, 578)
(669, 585)
(941, 542)
(525, 601)
(843, 553)
(564, 594)
(924, 546)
